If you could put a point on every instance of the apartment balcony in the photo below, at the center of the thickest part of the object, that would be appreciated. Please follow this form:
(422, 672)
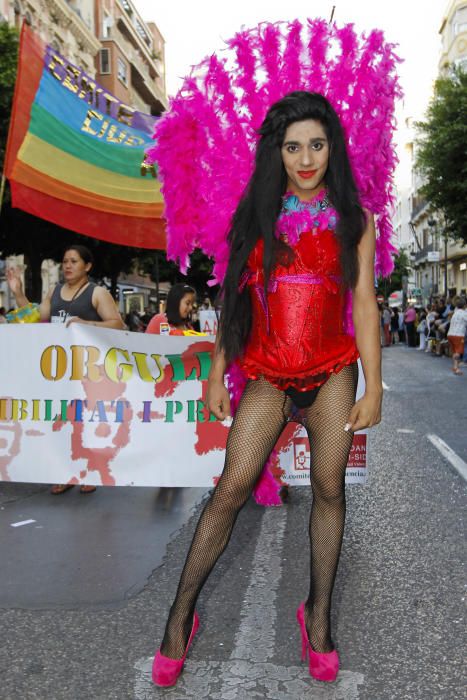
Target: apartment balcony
(133, 27)
(421, 256)
(455, 251)
(64, 14)
(420, 209)
(147, 88)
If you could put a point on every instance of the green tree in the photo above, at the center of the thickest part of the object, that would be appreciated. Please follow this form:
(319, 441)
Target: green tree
(199, 272)
(387, 285)
(9, 42)
(401, 269)
(442, 152)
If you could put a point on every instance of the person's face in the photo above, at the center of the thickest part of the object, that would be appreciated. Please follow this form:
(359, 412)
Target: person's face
(74, 267)
(305, 154)
(186, 305)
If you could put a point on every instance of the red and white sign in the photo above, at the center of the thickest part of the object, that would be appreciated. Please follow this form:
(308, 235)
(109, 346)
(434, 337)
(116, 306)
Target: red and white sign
(208, 321)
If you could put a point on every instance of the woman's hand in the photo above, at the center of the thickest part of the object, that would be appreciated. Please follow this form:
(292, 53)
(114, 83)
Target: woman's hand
(13, 276)
(366, 412)
(218, 399)
(15, 283)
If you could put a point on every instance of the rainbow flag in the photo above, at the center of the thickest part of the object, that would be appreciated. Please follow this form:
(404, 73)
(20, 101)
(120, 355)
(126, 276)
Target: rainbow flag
(76, 154)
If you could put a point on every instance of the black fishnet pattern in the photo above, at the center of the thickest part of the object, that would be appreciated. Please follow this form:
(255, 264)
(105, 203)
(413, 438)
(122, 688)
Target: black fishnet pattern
(330, 447)
(259, 420)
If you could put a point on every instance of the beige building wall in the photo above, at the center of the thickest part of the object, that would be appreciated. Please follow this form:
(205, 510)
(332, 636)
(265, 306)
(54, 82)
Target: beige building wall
(67, 26)
(131, 63)
(453, 32)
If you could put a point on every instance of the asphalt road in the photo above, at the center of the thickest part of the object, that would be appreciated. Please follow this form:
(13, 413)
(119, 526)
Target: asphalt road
(78, 624)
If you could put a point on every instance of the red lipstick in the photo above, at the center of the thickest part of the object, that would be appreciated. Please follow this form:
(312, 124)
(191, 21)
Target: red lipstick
(306, 174)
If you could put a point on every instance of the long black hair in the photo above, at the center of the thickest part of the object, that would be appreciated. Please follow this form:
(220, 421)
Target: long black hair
(174, 297)
(260, 206)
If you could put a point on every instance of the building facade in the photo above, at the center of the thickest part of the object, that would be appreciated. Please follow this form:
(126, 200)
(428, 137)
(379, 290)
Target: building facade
(439, 263)
(453, 33)
(68, 26)
(107, 38)
(131, 61)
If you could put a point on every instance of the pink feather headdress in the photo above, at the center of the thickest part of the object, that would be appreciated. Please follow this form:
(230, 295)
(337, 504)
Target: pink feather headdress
(205, 143)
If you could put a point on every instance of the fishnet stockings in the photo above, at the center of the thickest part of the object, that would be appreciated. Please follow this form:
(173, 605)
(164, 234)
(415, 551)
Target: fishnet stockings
(330, 446)
(260, 419)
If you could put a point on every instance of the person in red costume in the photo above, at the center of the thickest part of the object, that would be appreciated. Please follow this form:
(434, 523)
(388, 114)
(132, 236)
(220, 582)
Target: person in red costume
(300, 243)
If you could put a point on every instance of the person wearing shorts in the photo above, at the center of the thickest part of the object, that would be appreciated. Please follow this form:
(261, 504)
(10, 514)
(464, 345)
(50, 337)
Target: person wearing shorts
(456, 333)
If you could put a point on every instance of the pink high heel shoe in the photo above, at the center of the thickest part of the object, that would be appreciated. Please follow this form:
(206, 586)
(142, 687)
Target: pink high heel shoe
(323, 667)
(165, 671)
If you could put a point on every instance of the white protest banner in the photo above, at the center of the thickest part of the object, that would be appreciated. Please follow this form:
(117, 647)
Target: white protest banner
(99, 406)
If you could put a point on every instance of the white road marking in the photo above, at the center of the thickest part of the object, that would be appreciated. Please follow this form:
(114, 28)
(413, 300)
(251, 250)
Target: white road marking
(256, 634)
(385, 386)
(448, 453)
(405, 430)
(250, 673)
(22, 522)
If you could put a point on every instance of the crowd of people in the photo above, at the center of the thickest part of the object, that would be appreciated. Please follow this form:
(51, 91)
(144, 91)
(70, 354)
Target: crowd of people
(440, 328)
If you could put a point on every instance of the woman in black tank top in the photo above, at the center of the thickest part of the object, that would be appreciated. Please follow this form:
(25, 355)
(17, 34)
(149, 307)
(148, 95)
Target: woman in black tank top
(77, 300)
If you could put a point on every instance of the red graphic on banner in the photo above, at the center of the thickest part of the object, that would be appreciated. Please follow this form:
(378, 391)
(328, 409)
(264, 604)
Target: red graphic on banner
(113, 435)
(357, 456)
(10, 443)
(301, 448)
(212, 435)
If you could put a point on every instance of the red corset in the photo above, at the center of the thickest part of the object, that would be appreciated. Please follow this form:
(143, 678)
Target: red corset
(297, 339)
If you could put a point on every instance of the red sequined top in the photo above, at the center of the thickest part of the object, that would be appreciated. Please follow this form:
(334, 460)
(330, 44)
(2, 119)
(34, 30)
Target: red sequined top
(298, 340)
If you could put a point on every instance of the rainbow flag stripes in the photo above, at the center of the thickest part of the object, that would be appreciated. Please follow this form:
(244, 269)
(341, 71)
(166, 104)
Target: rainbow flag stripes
(76, 154)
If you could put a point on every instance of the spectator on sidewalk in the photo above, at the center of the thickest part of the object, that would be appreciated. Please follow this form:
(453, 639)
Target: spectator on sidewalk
(395, 326)
(386, 325)
(441, 330)
(134, 322)
(440, 307)
(177, 318)
(422, 330)
(402, 338)
(456, 334)
(431, 317)
(410, 317)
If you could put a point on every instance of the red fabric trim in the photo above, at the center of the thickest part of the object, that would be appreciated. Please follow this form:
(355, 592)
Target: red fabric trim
(320, 374)
(123, 230)
(30, 68)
